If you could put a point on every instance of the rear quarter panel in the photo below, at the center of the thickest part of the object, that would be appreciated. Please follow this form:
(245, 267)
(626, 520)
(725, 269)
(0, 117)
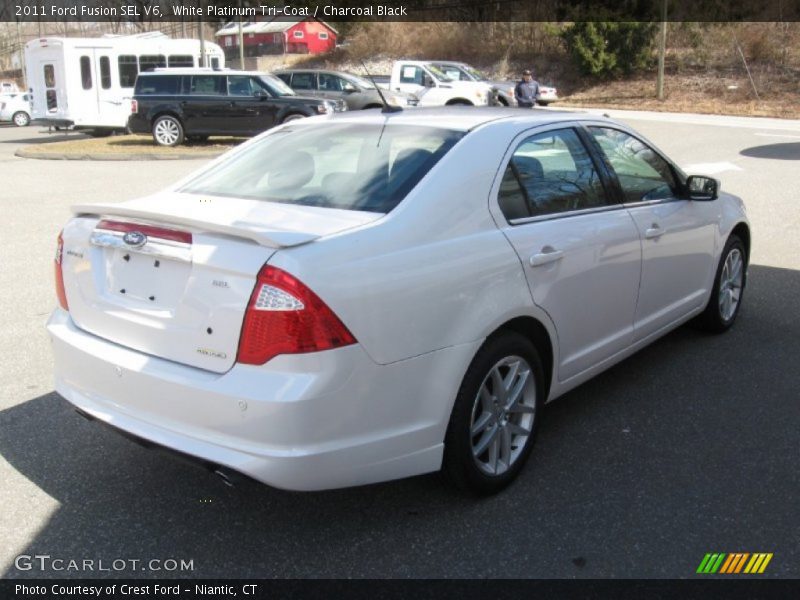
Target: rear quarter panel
(434, 273)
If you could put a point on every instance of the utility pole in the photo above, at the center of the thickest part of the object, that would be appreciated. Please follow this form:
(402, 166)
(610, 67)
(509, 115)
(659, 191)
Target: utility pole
(241, 38)
(662, 50)
(201, 34)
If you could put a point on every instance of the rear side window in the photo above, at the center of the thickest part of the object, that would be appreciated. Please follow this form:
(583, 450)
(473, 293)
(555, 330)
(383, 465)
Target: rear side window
(550, 173)
(157, 85)
(128, 70)
(86, 73)
(347, 166)
(208, 85)
(105, 72)
(148, 62)
(304, 81)
(180, 60)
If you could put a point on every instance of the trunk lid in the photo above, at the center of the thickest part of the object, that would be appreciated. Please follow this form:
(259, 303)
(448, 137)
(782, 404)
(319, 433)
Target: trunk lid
(171, 275)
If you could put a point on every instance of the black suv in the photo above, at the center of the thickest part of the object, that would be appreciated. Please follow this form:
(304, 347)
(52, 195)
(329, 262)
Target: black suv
(179, 104)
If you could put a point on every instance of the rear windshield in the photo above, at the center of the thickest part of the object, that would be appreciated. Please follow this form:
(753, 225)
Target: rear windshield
(332, 165)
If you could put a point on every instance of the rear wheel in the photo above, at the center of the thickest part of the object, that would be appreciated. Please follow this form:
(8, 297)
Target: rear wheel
(21, 119)
(726, 296)
(493, 424)
(168, 131)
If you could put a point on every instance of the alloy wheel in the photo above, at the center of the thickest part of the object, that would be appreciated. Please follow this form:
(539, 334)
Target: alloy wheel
(730, 284)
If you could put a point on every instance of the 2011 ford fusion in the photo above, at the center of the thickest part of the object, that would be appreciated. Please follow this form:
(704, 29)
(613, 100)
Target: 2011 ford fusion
(365, 297)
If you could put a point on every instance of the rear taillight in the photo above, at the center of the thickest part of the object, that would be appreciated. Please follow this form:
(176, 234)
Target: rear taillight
(286, 317)
(60, 292)
(134, 106)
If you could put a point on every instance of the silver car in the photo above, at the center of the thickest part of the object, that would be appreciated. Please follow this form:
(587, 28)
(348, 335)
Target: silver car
(358, 93)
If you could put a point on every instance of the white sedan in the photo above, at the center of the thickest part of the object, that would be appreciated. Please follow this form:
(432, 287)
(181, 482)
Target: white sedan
(16, 108)
(348, 300)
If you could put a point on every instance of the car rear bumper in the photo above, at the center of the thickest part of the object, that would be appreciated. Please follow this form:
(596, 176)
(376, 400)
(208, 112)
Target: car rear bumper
(302, 422)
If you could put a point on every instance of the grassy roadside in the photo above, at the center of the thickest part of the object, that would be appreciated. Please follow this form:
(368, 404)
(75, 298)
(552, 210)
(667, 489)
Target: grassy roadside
(139, 146)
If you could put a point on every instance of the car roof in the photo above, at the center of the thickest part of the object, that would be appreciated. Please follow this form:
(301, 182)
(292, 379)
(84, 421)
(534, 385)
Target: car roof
(464, 118)
(199, 71)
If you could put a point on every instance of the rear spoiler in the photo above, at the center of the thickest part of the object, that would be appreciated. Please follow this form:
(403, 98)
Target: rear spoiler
(270, 237)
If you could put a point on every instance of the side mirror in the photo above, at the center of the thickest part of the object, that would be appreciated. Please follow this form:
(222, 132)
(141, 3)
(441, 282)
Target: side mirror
(702, 188)
(261, 94)
(427, 81)
(349, 89)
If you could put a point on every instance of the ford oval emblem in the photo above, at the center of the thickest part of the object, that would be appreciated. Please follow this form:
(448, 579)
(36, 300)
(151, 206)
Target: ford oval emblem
(135, 239)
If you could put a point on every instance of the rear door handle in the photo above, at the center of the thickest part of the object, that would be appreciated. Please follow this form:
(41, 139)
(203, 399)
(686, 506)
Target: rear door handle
(653, 232)
(547, 257)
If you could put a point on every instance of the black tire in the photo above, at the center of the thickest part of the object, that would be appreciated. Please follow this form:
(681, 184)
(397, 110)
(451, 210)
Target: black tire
(460, 103)
(292, 117)
(21, 119)
(100, 133)
(714, 317)
(168, 131)
(501, 101)
(462, 462)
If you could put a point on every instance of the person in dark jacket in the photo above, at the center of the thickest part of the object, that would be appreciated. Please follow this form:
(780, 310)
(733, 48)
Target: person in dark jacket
(527, 90)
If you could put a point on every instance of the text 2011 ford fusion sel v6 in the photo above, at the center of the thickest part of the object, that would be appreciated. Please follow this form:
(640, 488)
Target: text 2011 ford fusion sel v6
(371, 296)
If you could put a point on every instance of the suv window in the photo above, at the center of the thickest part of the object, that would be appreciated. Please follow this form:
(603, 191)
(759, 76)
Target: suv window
(550, 173)
(304, 81)
(642, 173)
(157, 85)
(330, 83)
(208, 85)
(285, 77)
(241, 85)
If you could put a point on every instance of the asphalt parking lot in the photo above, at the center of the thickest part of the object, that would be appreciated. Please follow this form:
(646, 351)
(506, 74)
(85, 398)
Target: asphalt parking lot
(691, 446)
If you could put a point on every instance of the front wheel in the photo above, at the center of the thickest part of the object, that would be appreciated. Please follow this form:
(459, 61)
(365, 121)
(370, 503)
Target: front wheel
(493, 424)
(293, 117)
(21, 119)
(168, 131)
(726, 296)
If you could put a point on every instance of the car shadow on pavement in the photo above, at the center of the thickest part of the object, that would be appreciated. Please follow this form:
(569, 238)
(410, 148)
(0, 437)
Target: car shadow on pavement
(786, 151)
(687, 447)
(44, 137)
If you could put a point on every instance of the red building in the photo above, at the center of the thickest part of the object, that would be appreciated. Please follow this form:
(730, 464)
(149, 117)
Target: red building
(278, 37)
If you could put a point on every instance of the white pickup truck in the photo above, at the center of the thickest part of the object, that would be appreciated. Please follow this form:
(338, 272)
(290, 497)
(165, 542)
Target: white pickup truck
(434, 88)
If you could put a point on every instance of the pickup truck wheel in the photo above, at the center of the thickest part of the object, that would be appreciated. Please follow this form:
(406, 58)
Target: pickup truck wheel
(21, 119)
(168, 131)
(460, 103)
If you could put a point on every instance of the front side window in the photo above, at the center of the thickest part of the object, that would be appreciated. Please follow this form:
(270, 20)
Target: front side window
(208, 85)
(128, 70)
(86, 73)
(365, 167)
(642, 173)
(240, 85)
(105, 72)
(412, 74)
(330, 83)
(550, 173)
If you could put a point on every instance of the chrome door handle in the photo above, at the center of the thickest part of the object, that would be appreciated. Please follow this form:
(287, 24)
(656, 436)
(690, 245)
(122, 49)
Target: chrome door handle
(544, 258)
(653, 232)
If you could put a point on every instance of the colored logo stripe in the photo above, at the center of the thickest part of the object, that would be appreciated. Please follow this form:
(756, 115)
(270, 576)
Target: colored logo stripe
(721, 562)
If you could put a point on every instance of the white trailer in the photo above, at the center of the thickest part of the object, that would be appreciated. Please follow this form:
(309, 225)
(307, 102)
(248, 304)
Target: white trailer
(87, 83)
